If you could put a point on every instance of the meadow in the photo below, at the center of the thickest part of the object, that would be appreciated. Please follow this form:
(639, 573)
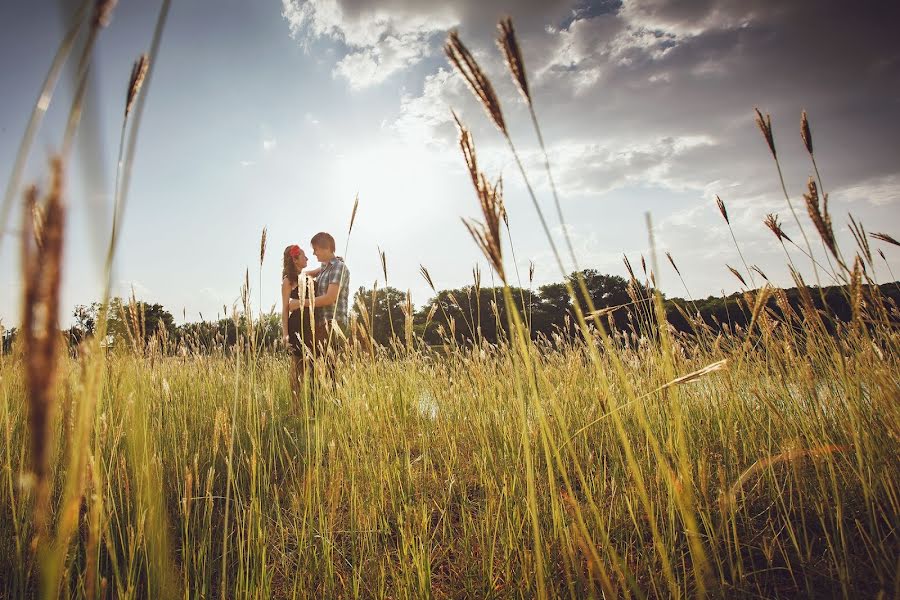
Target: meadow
(755, 461)
(487, 472)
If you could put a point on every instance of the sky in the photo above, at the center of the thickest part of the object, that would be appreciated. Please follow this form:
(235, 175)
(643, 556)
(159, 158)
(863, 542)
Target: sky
(277, 114)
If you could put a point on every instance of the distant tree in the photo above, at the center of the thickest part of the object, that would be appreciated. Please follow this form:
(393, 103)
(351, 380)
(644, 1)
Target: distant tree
(137, 323)
(86, 317)
(7, 339)
(268, 330)
(605, 290)
(469, 314)
(552, 309)
(386, 311)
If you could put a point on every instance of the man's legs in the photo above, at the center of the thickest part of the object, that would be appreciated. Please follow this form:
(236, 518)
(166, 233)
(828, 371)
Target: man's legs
(329, 344)
(300, 372)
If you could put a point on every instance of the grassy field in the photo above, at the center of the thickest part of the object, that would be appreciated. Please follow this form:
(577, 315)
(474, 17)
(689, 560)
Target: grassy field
(494, 472)
(756, 462)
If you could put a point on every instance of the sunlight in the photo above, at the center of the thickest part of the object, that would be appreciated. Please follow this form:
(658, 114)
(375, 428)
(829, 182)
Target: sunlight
(388, 172)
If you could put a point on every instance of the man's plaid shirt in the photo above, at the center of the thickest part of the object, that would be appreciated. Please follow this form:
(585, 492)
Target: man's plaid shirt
(334, 271)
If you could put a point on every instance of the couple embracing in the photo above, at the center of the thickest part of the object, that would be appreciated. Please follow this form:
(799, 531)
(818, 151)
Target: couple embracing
(308, 326)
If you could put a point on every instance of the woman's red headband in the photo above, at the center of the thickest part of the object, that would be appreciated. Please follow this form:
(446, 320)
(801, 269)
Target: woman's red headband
(295, 251)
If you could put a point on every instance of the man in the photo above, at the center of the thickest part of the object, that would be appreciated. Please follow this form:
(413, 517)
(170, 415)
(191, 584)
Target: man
(332, 291)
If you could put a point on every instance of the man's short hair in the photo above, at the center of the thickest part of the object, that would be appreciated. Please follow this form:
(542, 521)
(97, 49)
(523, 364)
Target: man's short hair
(323, 240)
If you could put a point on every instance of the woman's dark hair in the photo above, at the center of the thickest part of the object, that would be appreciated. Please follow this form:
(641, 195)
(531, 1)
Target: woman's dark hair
(289, 269)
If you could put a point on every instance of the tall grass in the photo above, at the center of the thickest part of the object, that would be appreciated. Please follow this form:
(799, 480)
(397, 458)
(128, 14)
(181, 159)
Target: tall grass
(413, 481)
(757, 462)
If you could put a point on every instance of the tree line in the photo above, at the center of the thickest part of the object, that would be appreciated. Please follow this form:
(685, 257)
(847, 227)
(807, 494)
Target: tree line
(465, 315)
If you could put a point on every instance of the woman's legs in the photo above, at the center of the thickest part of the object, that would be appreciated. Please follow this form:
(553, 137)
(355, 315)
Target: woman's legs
(298, 375)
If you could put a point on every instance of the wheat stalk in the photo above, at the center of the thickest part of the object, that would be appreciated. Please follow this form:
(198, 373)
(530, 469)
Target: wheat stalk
(487, 234)
(765, 126)
(883, 237)
(862, 240)
(821, 218)
(41, 274)
(724, 212)
(136, 81)
(805, 133)
(103, 12)
(477, 81)
(352, 219)
(772, 223)
(737, 274)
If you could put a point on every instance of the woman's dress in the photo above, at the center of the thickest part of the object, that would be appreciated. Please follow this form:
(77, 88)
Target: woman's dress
(299, 327)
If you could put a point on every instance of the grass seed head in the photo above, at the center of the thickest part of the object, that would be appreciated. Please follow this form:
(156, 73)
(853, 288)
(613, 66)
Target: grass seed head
(772, 223)
(383, 257)
(601, 312)
(467, 146)
(427, 276)
(628, 268)
(765, 126)
(805, 133)
(819, 216)
(694, 376)
(41, 274)
(862, 240)
(103, 12)
(760, 271)
(37, 215)
(262, 247)
(431, 312)
(737, 274)
(481, 87)
(672, 262)
(487, 237)
(856, 289)
(883, 237)
(503, 214)
(138, 74)
(353, 214)
(722, 209)
(509, 46)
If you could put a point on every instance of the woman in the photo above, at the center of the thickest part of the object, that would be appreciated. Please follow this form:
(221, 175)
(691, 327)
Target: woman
(296, 326)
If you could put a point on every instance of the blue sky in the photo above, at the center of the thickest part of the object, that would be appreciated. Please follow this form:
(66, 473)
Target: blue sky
(275, 114)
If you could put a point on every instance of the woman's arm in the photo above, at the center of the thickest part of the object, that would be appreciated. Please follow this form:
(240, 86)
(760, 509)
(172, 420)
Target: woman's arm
(327, 299)
(313, 272)
(285, 309)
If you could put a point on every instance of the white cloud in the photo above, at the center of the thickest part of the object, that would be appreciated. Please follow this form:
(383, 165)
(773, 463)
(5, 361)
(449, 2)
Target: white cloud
(879, 191)
(426, 118)
(594, 168)
(381, 41)
(373, 64)
(269, 144)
